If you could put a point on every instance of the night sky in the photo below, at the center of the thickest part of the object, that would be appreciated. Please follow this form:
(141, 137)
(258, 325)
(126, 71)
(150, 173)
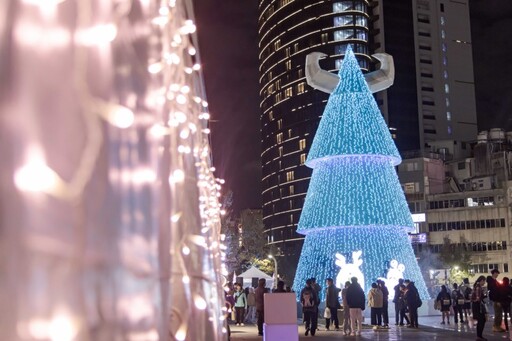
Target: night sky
(228, 46)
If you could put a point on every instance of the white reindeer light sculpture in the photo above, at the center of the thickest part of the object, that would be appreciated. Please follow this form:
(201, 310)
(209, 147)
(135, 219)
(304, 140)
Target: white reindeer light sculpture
(347, 271)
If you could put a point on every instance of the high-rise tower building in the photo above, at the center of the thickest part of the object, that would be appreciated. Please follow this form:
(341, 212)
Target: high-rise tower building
(432, 98)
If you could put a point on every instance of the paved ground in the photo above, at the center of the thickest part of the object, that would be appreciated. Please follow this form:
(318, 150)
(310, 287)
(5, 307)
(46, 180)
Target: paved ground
(430, 329)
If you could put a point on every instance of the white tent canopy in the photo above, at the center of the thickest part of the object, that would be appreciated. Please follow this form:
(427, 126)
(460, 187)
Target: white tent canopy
(254, 272)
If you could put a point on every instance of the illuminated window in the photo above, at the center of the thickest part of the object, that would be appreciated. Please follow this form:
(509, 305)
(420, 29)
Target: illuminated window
(448, 116)
(280, 152)
(302, 158)
(300, 87)
(278, 84)
(446, 88)
(292, 190)
(279, 138)
(295, 47)
(291, 215)
(288, 64)
(302, 144)
(325, 37)
(289, 133)
(288, 92)
(278, 97)
(290, 176)
(288, 51)
(277, 44)
(280, 123)
(271, 115)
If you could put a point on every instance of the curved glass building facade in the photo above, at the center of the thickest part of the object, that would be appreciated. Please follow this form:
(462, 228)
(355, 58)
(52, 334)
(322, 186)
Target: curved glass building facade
(291, 109)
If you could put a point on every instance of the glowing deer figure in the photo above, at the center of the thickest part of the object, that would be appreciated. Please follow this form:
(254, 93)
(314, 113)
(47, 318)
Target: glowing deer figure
(347, 271)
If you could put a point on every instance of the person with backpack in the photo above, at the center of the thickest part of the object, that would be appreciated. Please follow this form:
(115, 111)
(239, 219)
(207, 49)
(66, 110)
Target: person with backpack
(465, 288)
(309, 301)
(240, 304)
(375, 302)
(413, 301)
(444, 300)
(458, 303)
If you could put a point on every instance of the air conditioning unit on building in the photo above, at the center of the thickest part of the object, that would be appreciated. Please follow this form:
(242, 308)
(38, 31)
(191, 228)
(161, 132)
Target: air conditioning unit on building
(481, 183)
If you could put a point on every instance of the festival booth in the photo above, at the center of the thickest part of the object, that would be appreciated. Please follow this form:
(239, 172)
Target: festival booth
(251, 277)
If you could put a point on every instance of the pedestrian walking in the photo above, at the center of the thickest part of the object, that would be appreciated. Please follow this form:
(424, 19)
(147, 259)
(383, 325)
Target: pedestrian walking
(356, 303)
(251, 306)
(240, 304)
(309, 303)
(478, 307)
(332, 303)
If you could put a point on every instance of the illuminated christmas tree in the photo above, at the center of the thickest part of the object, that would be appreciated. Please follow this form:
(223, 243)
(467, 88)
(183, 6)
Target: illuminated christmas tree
(355, 216)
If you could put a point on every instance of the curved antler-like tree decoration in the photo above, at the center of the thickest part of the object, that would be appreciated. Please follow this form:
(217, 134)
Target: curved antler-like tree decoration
(326, 81)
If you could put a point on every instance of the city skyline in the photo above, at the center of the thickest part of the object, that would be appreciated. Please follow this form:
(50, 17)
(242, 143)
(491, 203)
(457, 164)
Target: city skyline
(230, 65)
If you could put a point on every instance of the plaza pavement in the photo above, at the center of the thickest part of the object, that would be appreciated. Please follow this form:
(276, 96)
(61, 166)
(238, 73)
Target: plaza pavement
(430, 329)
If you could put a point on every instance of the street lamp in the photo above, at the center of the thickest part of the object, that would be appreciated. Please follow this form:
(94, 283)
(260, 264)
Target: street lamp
(275, 269)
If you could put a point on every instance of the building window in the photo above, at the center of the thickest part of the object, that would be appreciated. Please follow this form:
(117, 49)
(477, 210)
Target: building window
(280, 152)
(288, 64)
(325, 38)
(290, 176)
(279, 138)
(302, 159)
(291, 215)
(288, 92)
(289, 133)
(271, 115)
(300, 88)
(292, 190)
(277, 44)
(448, 116)
(302, 144)
(280, 123)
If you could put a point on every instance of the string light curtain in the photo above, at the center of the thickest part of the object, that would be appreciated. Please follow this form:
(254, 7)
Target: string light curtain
(355, 216)
(109, 213)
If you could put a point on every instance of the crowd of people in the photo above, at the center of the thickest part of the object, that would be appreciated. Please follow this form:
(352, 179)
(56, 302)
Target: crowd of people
(465, 302)
(354, 301)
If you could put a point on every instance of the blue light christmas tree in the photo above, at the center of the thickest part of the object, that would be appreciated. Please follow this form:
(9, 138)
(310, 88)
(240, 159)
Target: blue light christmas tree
(355, 216)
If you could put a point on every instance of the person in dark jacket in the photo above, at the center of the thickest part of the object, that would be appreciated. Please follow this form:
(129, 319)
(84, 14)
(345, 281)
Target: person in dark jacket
(493, 288)
(396, 300)
(413, 301)
(385, 302)
(309, 302)
(280, 287)
(332, 303)
(478, 307)
(445, 301)
(260, 309)
(356, 303)
(506, 299)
